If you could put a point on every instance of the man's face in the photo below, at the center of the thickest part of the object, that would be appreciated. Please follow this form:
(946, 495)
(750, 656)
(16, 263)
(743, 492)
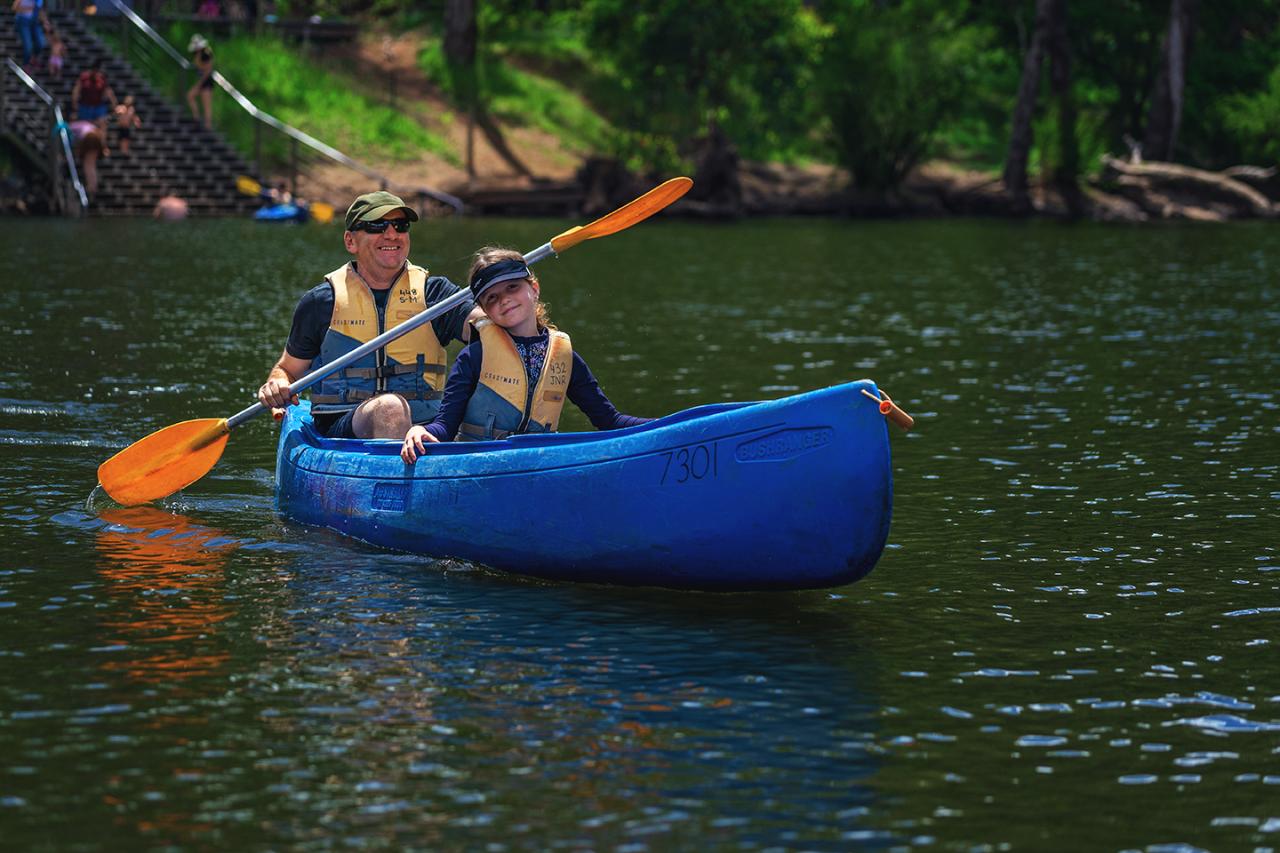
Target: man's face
(381, 255)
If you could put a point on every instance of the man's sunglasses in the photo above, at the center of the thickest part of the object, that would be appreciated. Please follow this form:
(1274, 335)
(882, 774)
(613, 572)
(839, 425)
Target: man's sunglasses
(380, 225)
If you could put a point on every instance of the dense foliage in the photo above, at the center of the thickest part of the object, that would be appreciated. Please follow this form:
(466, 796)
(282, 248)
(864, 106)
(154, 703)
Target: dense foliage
(879, 85)
(874, 84)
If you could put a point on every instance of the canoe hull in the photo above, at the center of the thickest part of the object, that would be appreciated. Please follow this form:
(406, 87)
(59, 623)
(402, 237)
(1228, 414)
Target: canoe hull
(787, 494)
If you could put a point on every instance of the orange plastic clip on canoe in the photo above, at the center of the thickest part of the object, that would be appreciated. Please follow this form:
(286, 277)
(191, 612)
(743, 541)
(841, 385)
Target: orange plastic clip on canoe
(890, 410)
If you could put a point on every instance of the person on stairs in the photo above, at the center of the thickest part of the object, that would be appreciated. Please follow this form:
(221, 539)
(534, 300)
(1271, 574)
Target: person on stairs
(26, 19)
(57, 54)
(91, 94)
(91, 146)
(126, 122)
(202, 58)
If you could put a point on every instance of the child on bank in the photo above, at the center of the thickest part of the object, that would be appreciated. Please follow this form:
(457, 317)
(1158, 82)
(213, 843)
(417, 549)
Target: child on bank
(57, 54)
(127, 121)
(516, 376)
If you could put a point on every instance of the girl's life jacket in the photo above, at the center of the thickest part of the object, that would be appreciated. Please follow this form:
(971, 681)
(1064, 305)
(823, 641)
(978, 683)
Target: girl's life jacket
(502, 405)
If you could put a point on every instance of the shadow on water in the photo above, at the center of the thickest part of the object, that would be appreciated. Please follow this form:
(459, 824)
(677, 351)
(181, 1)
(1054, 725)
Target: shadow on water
(384, 692)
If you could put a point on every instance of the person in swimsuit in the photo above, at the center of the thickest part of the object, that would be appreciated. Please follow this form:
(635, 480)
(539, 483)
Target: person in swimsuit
(203, 88)
(57, 54)
(91, 145)
(126, 121)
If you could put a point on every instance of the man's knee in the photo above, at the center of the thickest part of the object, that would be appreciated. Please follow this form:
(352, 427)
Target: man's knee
(385, 416)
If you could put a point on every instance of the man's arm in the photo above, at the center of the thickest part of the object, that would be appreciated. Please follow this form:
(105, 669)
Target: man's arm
(310, 323)
(75, 97)
(475, 316)
(456, 324)
(275, 392)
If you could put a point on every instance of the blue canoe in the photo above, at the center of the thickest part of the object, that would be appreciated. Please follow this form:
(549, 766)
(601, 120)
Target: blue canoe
(788, 494)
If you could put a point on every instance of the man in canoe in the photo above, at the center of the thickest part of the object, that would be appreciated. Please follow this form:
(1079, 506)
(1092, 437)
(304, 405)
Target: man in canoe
(387, 392)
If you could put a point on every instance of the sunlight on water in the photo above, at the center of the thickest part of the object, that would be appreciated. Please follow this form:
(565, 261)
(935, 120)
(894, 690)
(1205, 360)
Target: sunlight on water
(1073, 629)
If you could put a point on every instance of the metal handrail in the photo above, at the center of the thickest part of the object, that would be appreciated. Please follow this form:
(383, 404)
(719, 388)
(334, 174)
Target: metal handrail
(59, 125)
(271, 121)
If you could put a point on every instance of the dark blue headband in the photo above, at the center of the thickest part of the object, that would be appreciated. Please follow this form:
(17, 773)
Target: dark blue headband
(487, 277)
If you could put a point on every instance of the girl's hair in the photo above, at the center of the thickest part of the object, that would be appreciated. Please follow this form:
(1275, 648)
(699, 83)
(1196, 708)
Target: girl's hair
(490, 255)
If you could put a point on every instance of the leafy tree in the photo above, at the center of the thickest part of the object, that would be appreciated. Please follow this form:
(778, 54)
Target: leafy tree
(1254, 120)
(684, 67)
(1230, 72)
(891, 74)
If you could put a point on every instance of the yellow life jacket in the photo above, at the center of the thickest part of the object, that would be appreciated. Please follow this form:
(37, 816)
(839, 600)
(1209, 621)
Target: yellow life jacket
(412, 365)
(502, 405)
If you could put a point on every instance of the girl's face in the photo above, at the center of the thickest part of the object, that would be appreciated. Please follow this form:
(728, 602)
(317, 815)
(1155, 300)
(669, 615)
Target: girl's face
(513, 305)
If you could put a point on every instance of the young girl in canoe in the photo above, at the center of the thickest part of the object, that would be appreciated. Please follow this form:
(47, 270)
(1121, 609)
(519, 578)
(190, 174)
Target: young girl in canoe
(516, 376)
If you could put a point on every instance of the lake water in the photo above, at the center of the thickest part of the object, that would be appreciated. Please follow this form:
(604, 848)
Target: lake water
(1071, 642)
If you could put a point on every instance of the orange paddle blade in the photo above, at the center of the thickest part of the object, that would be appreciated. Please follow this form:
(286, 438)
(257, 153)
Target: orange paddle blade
(624, 217)
(165, 461)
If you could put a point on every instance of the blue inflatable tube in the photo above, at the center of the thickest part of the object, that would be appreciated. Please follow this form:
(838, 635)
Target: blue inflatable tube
(281, 213)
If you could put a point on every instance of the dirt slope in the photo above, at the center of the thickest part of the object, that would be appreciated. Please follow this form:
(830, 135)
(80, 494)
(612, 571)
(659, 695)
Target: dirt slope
(380, 59)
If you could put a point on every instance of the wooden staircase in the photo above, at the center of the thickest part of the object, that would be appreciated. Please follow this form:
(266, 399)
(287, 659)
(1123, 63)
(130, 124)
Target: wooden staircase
(172, 152)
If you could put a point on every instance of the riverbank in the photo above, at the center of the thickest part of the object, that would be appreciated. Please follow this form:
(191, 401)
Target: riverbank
(554, 176)
(1122, 192)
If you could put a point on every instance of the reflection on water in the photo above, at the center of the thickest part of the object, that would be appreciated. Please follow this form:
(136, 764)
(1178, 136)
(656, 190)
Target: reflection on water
(395, 700)
(1072, 633)
(528, 710)
(167, 573)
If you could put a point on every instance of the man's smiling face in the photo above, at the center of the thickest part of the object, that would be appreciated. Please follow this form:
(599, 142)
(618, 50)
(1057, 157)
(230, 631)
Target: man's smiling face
(379, 256)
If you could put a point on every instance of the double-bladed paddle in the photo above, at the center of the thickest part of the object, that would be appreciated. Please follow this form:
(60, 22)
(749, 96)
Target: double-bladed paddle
(176, 456)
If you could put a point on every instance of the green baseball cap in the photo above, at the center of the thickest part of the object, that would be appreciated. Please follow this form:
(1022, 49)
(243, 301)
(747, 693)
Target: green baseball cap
(372, 206)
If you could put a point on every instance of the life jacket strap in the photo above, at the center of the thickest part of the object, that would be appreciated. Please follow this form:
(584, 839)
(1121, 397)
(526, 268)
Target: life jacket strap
(483, 433)
(399, 369)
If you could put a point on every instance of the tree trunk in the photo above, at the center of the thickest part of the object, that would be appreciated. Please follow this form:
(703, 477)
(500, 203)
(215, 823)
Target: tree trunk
(460, 53)
(716, 175)
(1020, 137)
(1067, 172)
(1165, 114)
(460, 32)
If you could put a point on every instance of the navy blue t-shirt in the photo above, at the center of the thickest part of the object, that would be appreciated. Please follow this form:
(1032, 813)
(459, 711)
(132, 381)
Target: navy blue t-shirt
(584, 390)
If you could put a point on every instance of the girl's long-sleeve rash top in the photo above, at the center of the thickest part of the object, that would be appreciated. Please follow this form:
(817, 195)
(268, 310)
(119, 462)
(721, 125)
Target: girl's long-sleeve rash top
(584, 390)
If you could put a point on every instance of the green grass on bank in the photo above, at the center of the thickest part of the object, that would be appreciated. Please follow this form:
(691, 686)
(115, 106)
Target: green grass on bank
(524, 98)
(279, 78)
